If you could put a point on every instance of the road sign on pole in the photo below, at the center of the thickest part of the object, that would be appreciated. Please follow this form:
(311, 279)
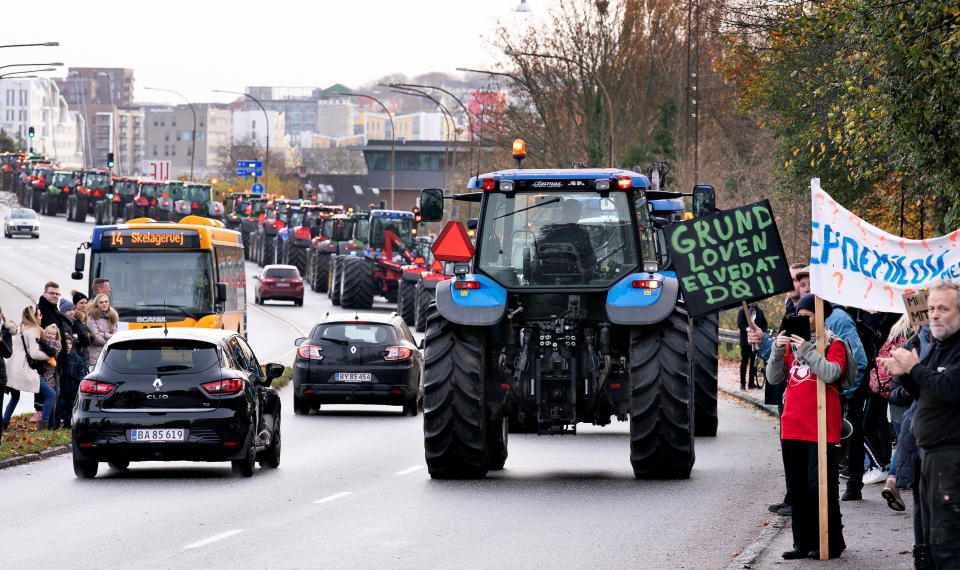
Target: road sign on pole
(249, 172)
(257, 164)
(257, 188)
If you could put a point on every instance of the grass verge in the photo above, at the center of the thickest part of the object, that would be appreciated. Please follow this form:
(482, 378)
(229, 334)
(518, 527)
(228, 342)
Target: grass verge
(284, 378)
(22, 438)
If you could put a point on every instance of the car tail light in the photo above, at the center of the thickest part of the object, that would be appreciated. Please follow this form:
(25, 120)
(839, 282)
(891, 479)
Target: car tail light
(466, 285)
(645, 284)
(296, 281)
(96, 388)
(268, 280)
(228, 386)
(398, 353)
(310, 352)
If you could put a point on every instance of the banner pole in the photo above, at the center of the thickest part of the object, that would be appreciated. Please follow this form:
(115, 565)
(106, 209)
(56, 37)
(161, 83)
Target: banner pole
(822, 437)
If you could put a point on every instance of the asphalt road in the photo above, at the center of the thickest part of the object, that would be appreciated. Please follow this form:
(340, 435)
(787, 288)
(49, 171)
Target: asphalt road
(352, 489)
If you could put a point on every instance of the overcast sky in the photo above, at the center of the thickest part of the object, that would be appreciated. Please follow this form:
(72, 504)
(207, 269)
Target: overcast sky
(198, 45)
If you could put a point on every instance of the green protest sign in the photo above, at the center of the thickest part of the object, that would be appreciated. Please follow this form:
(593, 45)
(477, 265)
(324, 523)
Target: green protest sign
(728, 257)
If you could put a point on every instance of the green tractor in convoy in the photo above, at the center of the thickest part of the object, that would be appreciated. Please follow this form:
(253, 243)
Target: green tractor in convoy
(62, 184)
(565, 311)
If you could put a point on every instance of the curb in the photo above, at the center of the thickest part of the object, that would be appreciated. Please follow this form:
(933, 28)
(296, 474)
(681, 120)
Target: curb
(752, 551)
(24, 459)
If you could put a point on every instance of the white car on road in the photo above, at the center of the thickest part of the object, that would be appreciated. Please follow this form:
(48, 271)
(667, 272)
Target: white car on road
(20, 222)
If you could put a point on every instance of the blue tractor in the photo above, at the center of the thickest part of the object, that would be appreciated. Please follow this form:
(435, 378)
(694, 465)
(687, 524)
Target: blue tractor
(565, 311)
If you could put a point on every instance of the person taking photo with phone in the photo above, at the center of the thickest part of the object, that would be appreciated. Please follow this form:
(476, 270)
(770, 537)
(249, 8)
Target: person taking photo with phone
(794, 359)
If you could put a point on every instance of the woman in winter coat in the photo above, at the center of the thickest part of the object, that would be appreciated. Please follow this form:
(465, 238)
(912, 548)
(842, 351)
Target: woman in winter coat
(102, 322)
(7, 330)
(38, 351)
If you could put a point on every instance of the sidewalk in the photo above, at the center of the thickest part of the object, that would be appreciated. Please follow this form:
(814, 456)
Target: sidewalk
(876, 536)
(12, 301)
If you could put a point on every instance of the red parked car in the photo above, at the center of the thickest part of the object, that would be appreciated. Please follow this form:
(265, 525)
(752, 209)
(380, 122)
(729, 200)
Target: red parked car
(279, 283)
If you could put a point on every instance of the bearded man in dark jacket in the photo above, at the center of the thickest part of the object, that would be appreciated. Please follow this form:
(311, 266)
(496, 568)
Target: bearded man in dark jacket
(935, 383)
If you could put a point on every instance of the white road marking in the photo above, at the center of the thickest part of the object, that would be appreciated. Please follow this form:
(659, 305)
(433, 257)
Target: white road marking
(409, 470)
(214, 538)
(332, 497)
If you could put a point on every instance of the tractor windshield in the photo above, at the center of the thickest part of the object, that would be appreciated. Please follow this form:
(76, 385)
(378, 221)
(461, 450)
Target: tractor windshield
(401, 227)
(96, 180)
(197, 193)
(532, 239)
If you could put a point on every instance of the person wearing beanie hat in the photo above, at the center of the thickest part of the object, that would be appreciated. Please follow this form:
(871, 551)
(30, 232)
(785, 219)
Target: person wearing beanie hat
(65, 306)
(79, 297)
(795, 360)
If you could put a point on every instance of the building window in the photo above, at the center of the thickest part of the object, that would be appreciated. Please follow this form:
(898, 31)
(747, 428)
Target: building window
(155, 153)
(23, 97)
(173, 150)
(189, 150)
(11, 97)
(166, 136)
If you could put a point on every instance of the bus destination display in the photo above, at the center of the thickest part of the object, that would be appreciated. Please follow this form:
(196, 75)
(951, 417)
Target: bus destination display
(159, 238)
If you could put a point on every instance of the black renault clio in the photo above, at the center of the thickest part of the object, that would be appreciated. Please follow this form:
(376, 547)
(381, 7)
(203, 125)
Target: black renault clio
(177, 394)
(353, 358)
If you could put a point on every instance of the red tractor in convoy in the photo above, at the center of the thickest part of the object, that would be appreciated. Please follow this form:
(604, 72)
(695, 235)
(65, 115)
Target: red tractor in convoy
(382, 239)
(423, 262)
(144, 204)
(335, 229)
(92, 190)
(303, 229)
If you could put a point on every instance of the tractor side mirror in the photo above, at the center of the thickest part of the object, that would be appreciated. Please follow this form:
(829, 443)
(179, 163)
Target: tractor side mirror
(431, 204)
(704, 200)
(472, 223)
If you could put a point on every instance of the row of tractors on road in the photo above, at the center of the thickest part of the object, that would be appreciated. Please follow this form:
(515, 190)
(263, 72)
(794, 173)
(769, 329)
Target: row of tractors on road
(352, 256)
(49, 190)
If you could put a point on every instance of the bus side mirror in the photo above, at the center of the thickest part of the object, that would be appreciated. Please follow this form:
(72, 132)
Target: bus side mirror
(221, 295)
(431, 204)
(704, 200)
(79, 262)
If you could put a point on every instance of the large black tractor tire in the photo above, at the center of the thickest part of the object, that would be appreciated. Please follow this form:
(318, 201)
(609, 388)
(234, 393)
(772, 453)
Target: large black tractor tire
(407, 301)
(83, 207)
(336, 276)
(424, 298)
(454, 414)
(392, 291)
(98, 217)
(704, 370)
(357, 284)
(128, 212)
(497, 430)
(298, 258)
(269, 254)
(71, 207)
(321, 269)
(661, 400)
(44, 204)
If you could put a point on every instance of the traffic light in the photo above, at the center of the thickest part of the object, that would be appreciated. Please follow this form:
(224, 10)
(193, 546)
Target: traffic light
(110, 162)
(31, 133)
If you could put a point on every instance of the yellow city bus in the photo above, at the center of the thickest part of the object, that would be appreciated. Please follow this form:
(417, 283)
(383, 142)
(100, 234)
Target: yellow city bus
(186, 274)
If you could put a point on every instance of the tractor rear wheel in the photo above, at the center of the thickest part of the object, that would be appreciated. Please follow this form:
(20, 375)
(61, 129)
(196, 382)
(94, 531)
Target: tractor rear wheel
(424, 298)
(321, 268)
(661, 400)
(333, 285)
(357, 291)
(704, 371)
(269, 251)
(298, 258)
(83, 207)
(454, 414)
(407, 301)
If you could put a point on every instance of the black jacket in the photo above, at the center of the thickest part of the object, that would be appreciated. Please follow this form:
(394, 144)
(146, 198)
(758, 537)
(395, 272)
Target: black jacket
(50, 314)
(935, 383)
(82, 344)
(6, 351)
(742, 323)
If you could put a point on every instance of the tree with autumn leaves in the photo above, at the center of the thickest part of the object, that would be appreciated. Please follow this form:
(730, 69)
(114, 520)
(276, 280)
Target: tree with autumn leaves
(864, 94)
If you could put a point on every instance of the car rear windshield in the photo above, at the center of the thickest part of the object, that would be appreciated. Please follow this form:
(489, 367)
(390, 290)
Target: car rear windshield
(161, 355)
(282, 273)
(355, 332)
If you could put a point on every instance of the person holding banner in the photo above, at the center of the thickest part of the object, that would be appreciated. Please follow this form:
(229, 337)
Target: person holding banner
(794, 359)
(935, 382)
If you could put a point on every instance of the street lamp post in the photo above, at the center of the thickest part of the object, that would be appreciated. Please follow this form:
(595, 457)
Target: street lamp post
(43, 44)
(596, 78)
(193, 134)
(393, 142)
(466, 113)
(266, 117)
(446, 113)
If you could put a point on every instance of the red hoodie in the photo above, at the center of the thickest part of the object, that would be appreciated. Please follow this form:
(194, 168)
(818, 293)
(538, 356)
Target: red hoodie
(799, 419)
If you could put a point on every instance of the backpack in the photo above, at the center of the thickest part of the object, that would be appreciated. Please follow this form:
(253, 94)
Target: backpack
(850, 377)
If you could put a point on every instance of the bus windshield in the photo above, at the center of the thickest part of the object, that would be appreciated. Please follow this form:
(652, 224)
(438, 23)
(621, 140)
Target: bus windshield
(532, 239)
(174, 283)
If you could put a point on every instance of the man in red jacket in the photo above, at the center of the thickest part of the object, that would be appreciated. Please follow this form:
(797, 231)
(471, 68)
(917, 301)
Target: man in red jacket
(796, 360)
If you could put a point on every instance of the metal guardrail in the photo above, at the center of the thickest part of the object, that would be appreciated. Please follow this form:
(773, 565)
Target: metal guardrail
(729, 336)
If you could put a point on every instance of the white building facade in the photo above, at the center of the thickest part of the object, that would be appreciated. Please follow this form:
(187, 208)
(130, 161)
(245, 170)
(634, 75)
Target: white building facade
(38, 103)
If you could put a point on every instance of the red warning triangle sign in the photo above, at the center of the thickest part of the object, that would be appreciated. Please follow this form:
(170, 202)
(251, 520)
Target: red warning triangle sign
(453, 244)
